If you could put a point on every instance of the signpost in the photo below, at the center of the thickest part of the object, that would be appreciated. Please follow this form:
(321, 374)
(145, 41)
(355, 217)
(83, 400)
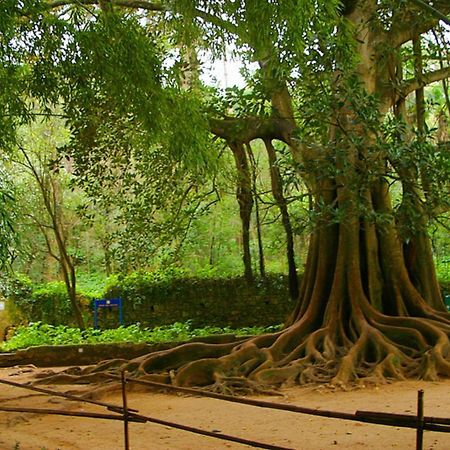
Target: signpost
(101, 303)
(447, 301)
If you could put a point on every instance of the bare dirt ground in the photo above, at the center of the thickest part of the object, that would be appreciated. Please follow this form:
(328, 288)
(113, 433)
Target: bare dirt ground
(25, 431)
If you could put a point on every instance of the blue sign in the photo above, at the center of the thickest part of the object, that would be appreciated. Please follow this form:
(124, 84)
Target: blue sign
(107, 303)
(447, 301)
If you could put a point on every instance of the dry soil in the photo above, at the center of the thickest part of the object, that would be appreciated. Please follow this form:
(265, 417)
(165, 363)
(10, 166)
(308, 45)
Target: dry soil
(25, 431)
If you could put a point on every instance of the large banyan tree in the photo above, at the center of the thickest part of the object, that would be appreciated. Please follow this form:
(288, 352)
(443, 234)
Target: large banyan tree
(333, 80)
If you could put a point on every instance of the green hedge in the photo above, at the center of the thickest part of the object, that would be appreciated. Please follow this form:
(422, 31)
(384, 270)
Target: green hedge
(156, 299)
(47, 303)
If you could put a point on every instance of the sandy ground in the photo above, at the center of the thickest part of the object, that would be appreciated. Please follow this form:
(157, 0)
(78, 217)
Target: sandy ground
(25, 431)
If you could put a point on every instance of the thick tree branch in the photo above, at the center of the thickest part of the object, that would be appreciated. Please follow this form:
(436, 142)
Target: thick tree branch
(148, 6)
(246, 129)
(410, 21)
(435, 12)
(427, 78)
(142, 4)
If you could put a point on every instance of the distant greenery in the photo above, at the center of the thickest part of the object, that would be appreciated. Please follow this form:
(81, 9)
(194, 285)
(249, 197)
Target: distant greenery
(40, 302)
(443, 269)
(49, 303)
(37, 334)
(91, 284)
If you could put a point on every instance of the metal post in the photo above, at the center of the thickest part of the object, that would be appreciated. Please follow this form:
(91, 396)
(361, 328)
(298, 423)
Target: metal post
(120, 310)
(420, 422)
(95, 314)
(125, 410)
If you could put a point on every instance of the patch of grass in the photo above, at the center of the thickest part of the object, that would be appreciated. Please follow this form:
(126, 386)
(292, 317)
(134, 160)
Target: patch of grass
(37, 334)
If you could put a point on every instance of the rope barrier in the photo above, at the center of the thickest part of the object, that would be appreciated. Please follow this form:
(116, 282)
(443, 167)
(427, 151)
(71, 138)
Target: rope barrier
(59, 412)
(130, 416)
(419, 422)
(377, 418)
(222, 436)
(109, 406)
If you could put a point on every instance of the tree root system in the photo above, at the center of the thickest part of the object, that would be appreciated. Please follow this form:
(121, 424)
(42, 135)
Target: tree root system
(375, 350)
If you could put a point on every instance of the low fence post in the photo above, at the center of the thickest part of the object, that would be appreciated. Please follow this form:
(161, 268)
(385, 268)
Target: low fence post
(125, 410)
(420, 421)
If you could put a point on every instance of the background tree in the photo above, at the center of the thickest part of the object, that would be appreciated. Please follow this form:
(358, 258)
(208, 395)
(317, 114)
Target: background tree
(7, 237)
(47, 207)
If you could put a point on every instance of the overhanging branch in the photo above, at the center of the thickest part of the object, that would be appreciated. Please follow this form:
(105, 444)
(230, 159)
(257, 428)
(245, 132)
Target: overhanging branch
(148, 6)
(431, 9)
(427, 78)
(246, 129)
(409, 22)
(136, 4)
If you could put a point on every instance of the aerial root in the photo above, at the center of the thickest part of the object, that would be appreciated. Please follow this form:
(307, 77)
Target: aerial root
(358, 364)
(432, 365)
(277, 376)
(175, 358)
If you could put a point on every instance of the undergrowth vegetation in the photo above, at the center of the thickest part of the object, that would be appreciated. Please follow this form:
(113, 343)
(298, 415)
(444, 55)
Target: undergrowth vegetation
(39, 333)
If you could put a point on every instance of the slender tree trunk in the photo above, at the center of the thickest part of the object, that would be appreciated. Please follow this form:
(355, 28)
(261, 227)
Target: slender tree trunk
(245, 200)
(107, 260)
(277, 191)
(211, 251)
(69, 274)
(262, 268)
(49, 191)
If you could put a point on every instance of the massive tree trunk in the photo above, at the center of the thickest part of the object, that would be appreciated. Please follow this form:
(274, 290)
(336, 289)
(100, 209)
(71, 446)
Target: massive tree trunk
(365, 310)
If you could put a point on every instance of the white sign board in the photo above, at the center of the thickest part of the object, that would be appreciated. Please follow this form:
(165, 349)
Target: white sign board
(2, 306)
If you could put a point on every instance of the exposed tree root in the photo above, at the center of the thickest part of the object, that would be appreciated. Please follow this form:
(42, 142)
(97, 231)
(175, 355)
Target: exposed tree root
(385, 349)
(359, 320)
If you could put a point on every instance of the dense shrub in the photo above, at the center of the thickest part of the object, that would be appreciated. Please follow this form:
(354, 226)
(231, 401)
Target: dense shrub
(19, 294)
(48, 302)
(52, 304)
(156, 299)
(91, 284)
(142, 285)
